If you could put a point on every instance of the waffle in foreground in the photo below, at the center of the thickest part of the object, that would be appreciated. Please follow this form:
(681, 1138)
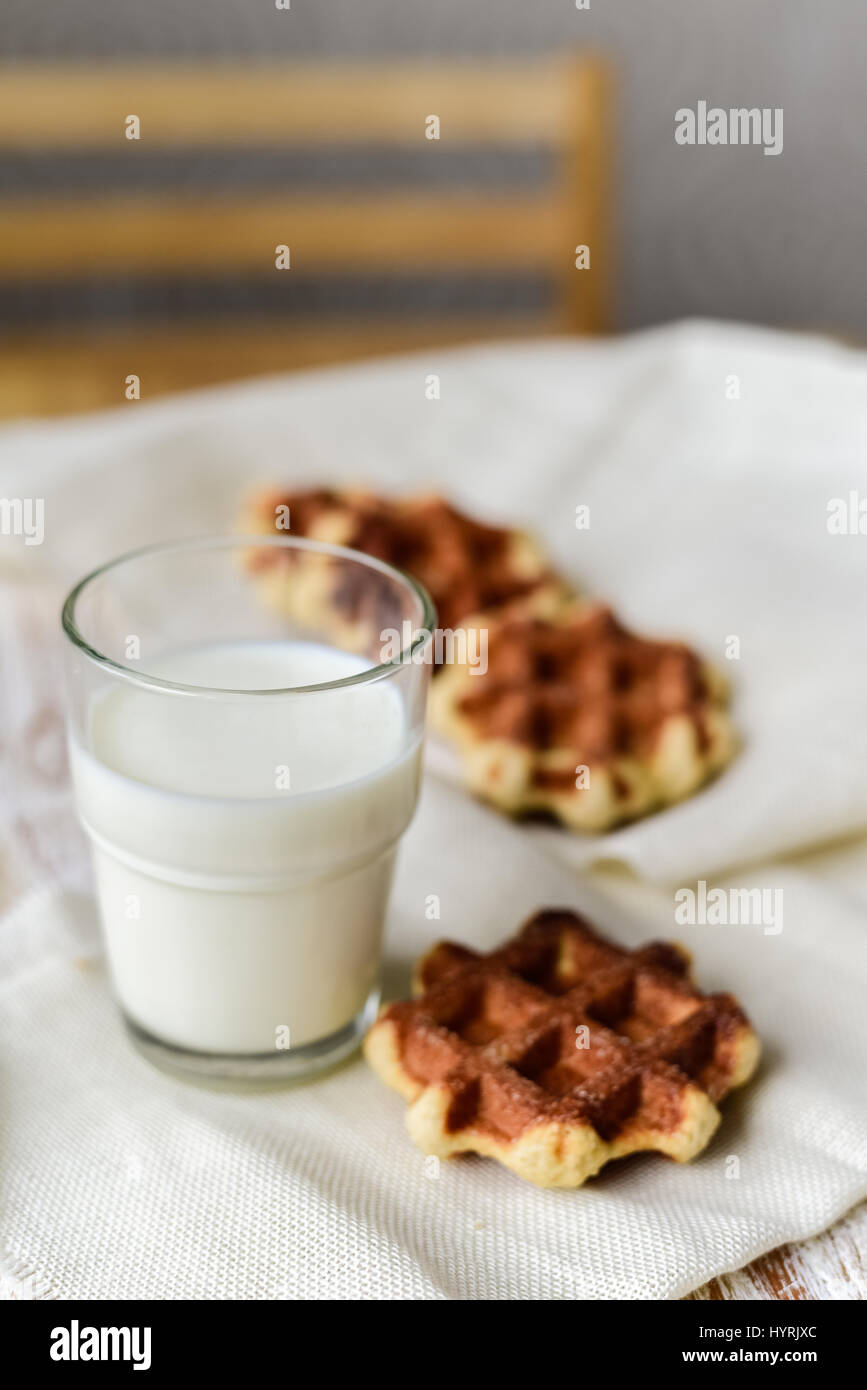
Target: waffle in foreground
(577, 717)
(560, 1051)
(465, 566)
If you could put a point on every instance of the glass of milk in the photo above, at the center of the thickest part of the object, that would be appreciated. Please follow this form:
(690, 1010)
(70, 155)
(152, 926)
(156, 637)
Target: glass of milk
(245, 729)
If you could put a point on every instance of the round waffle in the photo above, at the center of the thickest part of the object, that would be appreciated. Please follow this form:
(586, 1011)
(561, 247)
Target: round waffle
(466, 567)
(577, 717)
(561, 1051)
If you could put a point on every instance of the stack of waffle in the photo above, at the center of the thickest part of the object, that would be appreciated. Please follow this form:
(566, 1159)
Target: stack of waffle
(574, 715)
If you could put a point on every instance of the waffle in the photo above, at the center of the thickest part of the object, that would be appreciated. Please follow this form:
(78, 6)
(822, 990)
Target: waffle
(561, 1051)
(577, 717)
(465, 566)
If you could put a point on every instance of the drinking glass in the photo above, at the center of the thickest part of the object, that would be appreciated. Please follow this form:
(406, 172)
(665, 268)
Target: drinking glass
(245, 729)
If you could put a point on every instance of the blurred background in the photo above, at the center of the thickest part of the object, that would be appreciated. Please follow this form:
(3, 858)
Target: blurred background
(307, 127)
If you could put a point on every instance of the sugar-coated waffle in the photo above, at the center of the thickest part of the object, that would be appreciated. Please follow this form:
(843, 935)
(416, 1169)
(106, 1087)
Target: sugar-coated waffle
(560, 1051)
(578, 717)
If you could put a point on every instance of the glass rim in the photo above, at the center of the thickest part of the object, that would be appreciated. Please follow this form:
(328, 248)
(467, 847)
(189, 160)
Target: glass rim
(420, 637)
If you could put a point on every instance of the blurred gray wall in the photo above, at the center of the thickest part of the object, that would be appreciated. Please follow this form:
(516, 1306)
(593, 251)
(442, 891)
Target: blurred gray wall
(721, 231)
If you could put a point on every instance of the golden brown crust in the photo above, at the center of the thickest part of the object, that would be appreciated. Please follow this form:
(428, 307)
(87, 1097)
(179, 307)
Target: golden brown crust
(578, 717)
(561, 1051)
(465, 565)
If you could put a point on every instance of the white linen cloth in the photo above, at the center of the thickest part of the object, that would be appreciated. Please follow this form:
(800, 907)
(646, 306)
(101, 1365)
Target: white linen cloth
(708, 520)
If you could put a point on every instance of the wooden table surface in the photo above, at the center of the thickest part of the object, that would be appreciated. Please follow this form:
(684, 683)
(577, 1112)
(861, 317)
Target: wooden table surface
(832, 1265)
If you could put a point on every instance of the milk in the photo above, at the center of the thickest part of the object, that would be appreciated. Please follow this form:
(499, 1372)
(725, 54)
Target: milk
(244, 844)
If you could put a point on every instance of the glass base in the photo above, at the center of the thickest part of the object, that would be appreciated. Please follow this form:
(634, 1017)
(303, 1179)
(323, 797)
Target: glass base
(258, 1069)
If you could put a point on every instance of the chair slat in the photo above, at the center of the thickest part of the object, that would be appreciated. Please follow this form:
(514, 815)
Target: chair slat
(222, 105)
(57, 239)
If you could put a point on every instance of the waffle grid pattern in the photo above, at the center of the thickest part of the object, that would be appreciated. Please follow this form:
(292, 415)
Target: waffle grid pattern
(586, 683)
(560, 1050)
(579, 718)
(467, 567)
